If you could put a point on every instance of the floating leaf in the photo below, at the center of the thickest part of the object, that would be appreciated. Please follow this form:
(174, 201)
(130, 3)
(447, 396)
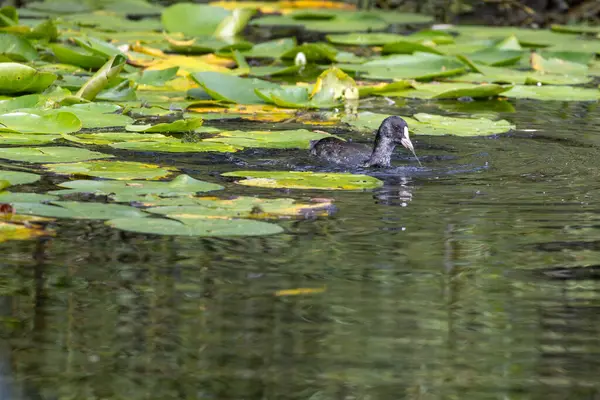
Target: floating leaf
(238, 207)
(77, 56)
(420, 66)
(200, 19)
(306, 180)
(299, 138)
(557, 66)
(17, 197)
(232, 88)
(175, 146)
(50, 154)
(138, 190)
(26, 139)
(315, 52)
(428, 124)
(158, 77)
(51, 122)
(18, 178)
(450, 91)
(195, 227)
(183, 125)
(121, 170)
(505, 75)
(559, 93)
(79, 210)
(271, 49)
(441, 125)
(17, 48)
(365, 39)
(20, 78)
(408, 47)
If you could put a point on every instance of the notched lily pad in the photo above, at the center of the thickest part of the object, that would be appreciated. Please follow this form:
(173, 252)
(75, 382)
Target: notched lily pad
(306, 180)
(139, 190)
(112, 169)
(50, 154)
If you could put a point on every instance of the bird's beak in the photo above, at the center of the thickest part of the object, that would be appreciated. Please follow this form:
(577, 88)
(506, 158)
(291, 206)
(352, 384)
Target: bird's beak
(406, 141)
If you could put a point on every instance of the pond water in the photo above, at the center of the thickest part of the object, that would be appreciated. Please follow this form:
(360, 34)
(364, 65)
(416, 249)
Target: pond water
(473, 278)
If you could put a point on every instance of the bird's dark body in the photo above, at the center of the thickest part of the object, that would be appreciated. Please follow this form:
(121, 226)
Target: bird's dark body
(393, 131)
(340, 152)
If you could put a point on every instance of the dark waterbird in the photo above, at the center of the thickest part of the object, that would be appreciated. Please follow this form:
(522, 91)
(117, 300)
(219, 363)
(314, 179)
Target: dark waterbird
(392, 132)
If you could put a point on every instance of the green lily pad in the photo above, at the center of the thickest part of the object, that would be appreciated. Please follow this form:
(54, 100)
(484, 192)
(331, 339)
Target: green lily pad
(20, 78)
(79, 210)
(77, 56)
(356, 23)
(299, 138)
(271, 49)
(232, 88)
(450, 91)
(16, 103)
(275, 70)
(96, 117)
(101, 138)
(50, 154)
(18, 197)
(365, 39)
(496, 57)
(175, 146)
(384, 88)
(201, 19)
(138, 190)
(26, 139)
(306, 180)
(196, 227)
(158, 77)
(49, 123)
(238, 207)
(575, 28)
(183, 125)
(315, 52)
(420, 66)
(17, 48)
(408, 47)
(18, 178)
(505, 75)
(557, 66)
(430, 124)
(558, 93)
(121, 170)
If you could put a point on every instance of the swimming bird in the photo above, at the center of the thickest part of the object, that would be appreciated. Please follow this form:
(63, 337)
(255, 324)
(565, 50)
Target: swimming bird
(392, 132)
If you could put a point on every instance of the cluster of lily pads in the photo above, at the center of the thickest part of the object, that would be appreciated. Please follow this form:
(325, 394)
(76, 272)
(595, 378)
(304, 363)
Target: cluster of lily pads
(79, 78)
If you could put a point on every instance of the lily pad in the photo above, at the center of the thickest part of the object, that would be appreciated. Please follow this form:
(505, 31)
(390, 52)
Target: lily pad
(420, 66)
(450, 91)
(557, 93)
(316, 52)
(12, 231)
(365, 39)
(232, 88)
(271, 49)
(49, 123)
(183, 125)
(121, 170)
(175, 146)
(50, 154)
(18, 197)
(196, 227)
(201, 19)
(299, 138)
(430, 124)
(139, 190)
(26, 139)
(18, 178)
(79, 210)
(20, 78)
(239, 207)
(408, 47)
(306, 180)
(505, 75)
